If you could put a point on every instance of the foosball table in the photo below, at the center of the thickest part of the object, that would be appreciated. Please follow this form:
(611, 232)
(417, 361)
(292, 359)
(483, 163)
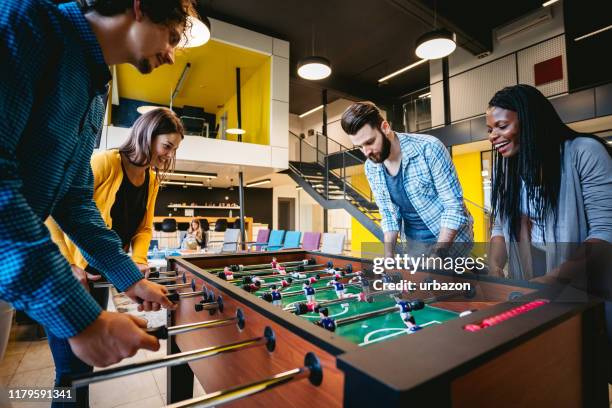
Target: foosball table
(317, 330)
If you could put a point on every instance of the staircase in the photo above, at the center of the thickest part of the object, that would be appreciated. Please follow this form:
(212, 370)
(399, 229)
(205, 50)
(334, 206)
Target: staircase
(321, 170)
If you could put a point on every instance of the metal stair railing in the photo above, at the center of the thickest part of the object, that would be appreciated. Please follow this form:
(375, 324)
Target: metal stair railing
(312, 167)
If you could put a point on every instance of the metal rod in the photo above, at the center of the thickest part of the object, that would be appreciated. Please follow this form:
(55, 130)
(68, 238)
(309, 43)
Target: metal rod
(278, 275)
(301, 292)
(446, 91)
(179, 84)
(363, 316)
(268, 339)
(324, 278)
(241, 202)
(311, 370)
(193, 294)
(186, 328)
(350, 298)
(262, 266)
(238, 103)
(367, 315)
(169, 279)
(266, 271)
(163, 332)
(179, 286)
(157, 274)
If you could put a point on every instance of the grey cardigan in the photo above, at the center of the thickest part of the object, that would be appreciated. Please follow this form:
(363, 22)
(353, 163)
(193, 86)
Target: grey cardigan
(585, 204)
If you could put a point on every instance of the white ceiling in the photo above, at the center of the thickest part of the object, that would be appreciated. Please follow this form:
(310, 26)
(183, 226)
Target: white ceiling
(228, 174)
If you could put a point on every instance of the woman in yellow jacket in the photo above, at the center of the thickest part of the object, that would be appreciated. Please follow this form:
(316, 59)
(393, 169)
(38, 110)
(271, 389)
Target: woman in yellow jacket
(126, 182)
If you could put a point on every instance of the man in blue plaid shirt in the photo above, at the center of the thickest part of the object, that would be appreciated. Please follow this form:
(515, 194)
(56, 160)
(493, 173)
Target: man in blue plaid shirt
(54, 67)
(413, 181)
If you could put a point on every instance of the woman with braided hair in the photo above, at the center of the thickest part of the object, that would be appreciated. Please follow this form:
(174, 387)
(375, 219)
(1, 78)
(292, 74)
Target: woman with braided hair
(550, 183)
(552, 197)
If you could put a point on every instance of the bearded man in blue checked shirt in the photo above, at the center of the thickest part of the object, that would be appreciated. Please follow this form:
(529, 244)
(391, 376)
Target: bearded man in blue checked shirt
(414, 183)
(54, 67)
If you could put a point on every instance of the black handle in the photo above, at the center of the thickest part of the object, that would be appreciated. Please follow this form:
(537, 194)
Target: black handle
(160, 332)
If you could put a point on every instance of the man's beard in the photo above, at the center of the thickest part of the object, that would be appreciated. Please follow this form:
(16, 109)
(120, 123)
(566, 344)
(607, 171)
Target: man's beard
(384, 153)
(144, 66)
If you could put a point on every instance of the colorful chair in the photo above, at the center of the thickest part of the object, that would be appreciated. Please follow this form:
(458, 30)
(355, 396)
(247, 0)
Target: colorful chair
(292, 240)
(276, 240)
(312, 240)
(231, 239)
(260, 241)
(332, 243)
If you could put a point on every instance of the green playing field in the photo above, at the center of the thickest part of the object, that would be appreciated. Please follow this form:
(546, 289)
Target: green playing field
(367, 331)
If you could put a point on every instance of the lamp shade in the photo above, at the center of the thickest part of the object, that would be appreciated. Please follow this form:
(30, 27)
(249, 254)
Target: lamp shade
(314, 68)
(436, 44)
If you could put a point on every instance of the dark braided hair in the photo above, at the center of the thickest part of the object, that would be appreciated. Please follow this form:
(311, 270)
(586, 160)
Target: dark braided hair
(538, 163)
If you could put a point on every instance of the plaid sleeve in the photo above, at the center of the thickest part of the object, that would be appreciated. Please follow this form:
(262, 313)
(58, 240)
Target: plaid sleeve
(34, 276)
(79, 217)
(390, 218)
(447, 185)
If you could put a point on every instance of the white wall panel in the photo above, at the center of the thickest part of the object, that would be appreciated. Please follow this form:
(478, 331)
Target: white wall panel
(279, 157)
(280, 48)
(279, 123)
(529, 57)
(279, 78)
(437, 104)
(471, 91)
(196, 148)
(240, 37)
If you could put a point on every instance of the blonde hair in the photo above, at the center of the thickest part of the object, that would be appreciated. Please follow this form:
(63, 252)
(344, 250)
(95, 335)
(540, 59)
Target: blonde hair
(138, 147)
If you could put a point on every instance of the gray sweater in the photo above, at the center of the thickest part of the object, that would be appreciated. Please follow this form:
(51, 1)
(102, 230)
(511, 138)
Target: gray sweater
(585, 204)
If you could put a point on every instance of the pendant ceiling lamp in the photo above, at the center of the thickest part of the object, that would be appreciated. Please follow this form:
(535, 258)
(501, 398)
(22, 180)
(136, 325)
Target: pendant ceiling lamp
(435, 44)
(314, 67)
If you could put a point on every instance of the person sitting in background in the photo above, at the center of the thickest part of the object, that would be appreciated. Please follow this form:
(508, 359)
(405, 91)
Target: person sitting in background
(195, 236)
(126, 182)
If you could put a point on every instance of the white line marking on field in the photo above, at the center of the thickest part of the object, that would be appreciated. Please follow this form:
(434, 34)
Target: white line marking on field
(396, 330)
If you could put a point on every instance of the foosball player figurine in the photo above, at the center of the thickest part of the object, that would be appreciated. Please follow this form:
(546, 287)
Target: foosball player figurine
(298, 275)
(365, 286)
(281, 270)
(405, 307)
(252, 279)
(309, 292)
(252, 287)
(277, 298)
(285, 283)
(338, 287)
(274, 264)
(227, 274)
(326, 322)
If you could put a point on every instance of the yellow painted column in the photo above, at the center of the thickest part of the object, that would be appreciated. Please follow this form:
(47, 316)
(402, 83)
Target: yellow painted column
(469, 170)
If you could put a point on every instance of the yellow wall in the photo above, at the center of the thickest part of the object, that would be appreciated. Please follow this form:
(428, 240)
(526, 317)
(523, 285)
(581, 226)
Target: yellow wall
(469, 171)
(359, 234)
(255, 105)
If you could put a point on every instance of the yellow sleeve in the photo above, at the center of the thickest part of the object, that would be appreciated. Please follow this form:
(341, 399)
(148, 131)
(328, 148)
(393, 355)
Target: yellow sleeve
(142, 238)
(60, 239)
(100, 167)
